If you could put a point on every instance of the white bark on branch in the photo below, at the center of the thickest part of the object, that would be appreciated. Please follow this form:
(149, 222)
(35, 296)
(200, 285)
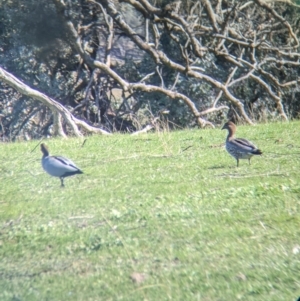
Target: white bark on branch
(268, 7)
(241, 47)
(161, 58)
(56, 108)
(126, 86)
(146, 129)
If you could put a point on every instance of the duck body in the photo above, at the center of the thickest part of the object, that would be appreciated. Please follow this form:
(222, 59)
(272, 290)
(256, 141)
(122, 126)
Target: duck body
(239, 148)
(58, 166)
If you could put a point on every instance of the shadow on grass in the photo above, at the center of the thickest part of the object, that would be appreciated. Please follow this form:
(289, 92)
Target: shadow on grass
(217, 167)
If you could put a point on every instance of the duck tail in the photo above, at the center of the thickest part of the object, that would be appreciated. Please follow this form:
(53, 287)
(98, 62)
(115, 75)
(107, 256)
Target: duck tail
(78, 171)
(72, 173)
(257, 152)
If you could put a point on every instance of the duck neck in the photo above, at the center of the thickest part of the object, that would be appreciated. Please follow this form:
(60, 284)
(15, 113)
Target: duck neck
(230, 135)
(44, 151)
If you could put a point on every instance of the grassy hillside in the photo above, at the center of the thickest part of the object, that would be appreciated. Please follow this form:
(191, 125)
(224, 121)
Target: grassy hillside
(155, 217)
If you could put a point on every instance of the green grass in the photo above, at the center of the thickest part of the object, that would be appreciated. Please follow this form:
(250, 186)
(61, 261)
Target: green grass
(170, 206)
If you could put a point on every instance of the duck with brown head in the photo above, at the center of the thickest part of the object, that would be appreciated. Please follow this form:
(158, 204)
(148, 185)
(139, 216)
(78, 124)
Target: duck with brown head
(239, 148)
(58, 166)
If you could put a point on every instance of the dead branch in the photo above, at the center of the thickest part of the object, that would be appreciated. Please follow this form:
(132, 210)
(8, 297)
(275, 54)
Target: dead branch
(211, 14)
(249, 52)
(281, 19)
(57, 109)
(161, 57)
(146, 129)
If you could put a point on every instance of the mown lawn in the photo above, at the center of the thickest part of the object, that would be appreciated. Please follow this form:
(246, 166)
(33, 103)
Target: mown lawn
(162, 216)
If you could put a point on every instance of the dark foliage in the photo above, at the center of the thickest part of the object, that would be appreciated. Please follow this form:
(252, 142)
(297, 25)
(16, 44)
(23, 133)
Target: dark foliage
(37, 47)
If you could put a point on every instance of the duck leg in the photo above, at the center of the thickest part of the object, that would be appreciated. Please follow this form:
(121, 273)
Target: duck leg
(237, 162)
(249, 161)
(62, 182)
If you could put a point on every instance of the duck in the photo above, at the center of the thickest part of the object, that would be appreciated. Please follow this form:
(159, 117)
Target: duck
(239, 148)
(58, 166)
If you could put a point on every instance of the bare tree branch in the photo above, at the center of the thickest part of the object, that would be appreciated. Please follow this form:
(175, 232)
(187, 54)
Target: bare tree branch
(56, 108)
(204, 32)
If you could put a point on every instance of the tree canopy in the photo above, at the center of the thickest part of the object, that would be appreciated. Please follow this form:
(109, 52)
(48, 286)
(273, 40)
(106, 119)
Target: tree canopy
(105, 66)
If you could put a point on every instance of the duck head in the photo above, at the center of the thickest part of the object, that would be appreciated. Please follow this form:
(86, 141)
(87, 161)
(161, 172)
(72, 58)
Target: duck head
(44, 150)
(231, 127)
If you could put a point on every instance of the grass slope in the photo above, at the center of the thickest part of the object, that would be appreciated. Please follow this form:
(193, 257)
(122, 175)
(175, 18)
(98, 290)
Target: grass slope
(155, 217)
